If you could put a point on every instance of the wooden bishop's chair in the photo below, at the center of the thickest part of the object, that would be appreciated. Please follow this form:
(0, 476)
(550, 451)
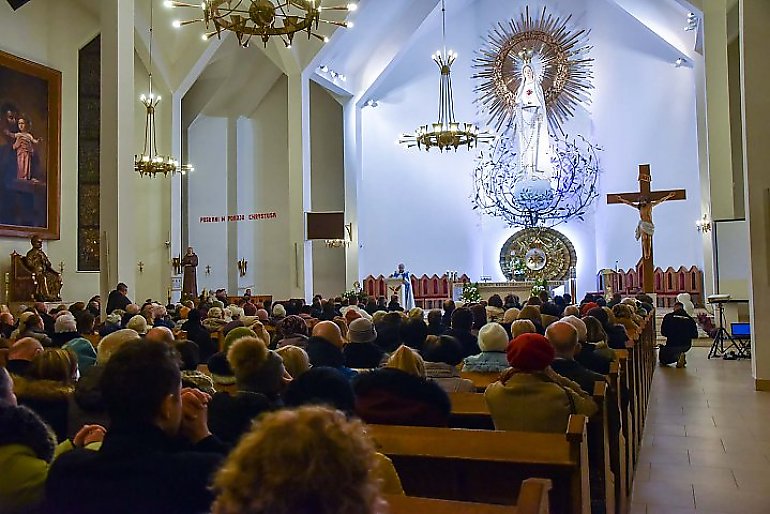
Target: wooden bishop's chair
(23, 283)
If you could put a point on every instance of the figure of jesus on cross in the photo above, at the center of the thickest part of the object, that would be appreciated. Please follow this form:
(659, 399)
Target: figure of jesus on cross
(644, 201)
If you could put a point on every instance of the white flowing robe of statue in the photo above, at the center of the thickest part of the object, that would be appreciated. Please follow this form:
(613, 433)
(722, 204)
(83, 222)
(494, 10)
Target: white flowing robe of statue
(531, 129)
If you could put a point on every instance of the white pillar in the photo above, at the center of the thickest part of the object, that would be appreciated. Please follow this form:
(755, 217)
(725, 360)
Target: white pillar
(231, 164)
(175, 215)
(118, 206)
(301, 285)
(718, 109)
(351, 114)
(755, 74)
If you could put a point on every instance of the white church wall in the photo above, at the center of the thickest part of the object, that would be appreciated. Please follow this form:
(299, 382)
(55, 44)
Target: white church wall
(415, 206)
(643, 112)
(153, 199)
(259, 184)
(245, 196)
(327, 188)
(273, 253)
(207, 148)
(52, 35)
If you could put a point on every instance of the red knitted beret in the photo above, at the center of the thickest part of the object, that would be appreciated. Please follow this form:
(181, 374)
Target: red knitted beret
(530, 352)
(587, 307)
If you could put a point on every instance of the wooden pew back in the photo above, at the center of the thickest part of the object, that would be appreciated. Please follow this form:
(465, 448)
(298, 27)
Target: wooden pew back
(489, 466)
(533, 499)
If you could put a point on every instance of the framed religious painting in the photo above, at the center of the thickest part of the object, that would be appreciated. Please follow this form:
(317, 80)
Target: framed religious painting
(30, 140)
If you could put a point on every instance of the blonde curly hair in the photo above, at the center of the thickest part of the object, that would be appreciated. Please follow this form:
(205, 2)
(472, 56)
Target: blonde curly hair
(302, 461)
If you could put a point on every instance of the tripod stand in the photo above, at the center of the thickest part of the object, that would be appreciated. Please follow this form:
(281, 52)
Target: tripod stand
(718, 346)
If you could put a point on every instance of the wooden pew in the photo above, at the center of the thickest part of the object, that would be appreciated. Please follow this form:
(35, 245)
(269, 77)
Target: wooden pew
(533, 499)
(489, 466)
(625, 390)
(618, 451)
(480, 380)
(470, 410)
(601, 475)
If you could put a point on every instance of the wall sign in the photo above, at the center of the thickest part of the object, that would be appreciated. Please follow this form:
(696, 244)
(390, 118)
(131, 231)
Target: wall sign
(235, 218)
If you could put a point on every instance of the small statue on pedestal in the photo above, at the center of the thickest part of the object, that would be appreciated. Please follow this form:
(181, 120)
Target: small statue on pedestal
(189, 277)
(48, 282)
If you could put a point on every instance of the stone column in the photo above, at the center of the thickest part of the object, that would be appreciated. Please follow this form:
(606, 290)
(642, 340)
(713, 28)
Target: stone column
(118, 206)
(755, 76)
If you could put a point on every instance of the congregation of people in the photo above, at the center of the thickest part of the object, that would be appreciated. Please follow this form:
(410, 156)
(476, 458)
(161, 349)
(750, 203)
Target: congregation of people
(237, 405)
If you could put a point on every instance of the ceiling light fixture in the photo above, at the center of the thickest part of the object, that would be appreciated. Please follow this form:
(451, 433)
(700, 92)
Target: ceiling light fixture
(446, 133)
(692, 22)
(263, 18)
(149, 162)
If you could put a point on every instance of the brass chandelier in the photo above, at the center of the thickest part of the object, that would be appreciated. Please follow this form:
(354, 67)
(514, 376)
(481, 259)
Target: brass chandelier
(263, 18)
(150, 163)
(447, 132)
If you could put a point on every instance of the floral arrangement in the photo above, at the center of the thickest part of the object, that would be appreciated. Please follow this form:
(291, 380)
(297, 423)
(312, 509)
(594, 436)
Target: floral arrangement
(471, 292)
(539, 286)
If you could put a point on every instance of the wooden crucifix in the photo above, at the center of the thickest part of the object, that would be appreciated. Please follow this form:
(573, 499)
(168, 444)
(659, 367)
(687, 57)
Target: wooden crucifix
(644, 201)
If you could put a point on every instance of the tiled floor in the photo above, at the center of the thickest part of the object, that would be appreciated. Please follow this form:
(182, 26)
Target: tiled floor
(707, 441)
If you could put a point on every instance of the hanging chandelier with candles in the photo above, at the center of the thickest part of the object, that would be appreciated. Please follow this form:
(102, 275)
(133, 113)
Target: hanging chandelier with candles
(446, 133)
(263, 18)
(150, 163)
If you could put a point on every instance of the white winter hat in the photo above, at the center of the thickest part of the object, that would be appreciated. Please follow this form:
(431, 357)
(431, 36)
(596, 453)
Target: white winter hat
(493, 338)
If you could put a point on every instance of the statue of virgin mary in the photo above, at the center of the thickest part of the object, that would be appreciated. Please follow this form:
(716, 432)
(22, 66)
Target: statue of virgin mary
(531, 127)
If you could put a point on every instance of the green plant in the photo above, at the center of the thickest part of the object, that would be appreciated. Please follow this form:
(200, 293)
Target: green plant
(471, 292)
(540, 285)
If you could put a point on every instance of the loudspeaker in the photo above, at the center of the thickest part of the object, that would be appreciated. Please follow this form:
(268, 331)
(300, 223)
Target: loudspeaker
(325, 225)
(15, 4)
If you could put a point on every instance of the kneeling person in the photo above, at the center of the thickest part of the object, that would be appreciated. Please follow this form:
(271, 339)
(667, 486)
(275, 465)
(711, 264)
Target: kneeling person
(679, 329)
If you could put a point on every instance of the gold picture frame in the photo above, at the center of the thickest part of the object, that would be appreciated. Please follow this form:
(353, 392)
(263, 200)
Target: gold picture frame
(30, 148)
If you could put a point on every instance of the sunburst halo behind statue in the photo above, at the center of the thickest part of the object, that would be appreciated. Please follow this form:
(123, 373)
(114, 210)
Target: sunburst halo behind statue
(558, 54)
(534, 73)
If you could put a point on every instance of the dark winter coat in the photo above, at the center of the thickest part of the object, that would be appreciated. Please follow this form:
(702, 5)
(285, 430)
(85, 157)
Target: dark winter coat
(48, 398)
(468, 341)
(323, 353)
(137, 469)
(578, 373)
(363, 355)
(679, 329)
(86, 406)
(230, 416)
(60, 339)
(593, 360)
(390, 396)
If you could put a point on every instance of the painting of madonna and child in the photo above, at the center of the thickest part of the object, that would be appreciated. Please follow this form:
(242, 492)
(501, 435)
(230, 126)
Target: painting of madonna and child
(30, 107)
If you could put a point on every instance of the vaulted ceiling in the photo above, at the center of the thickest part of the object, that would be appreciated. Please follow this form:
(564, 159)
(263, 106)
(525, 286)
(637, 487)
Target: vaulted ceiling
(223, 77)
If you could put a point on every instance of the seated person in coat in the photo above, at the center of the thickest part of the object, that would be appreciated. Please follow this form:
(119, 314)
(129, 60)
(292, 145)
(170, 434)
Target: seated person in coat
(531, 397)
(399, 393)
(493, 341)
(157, 456)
